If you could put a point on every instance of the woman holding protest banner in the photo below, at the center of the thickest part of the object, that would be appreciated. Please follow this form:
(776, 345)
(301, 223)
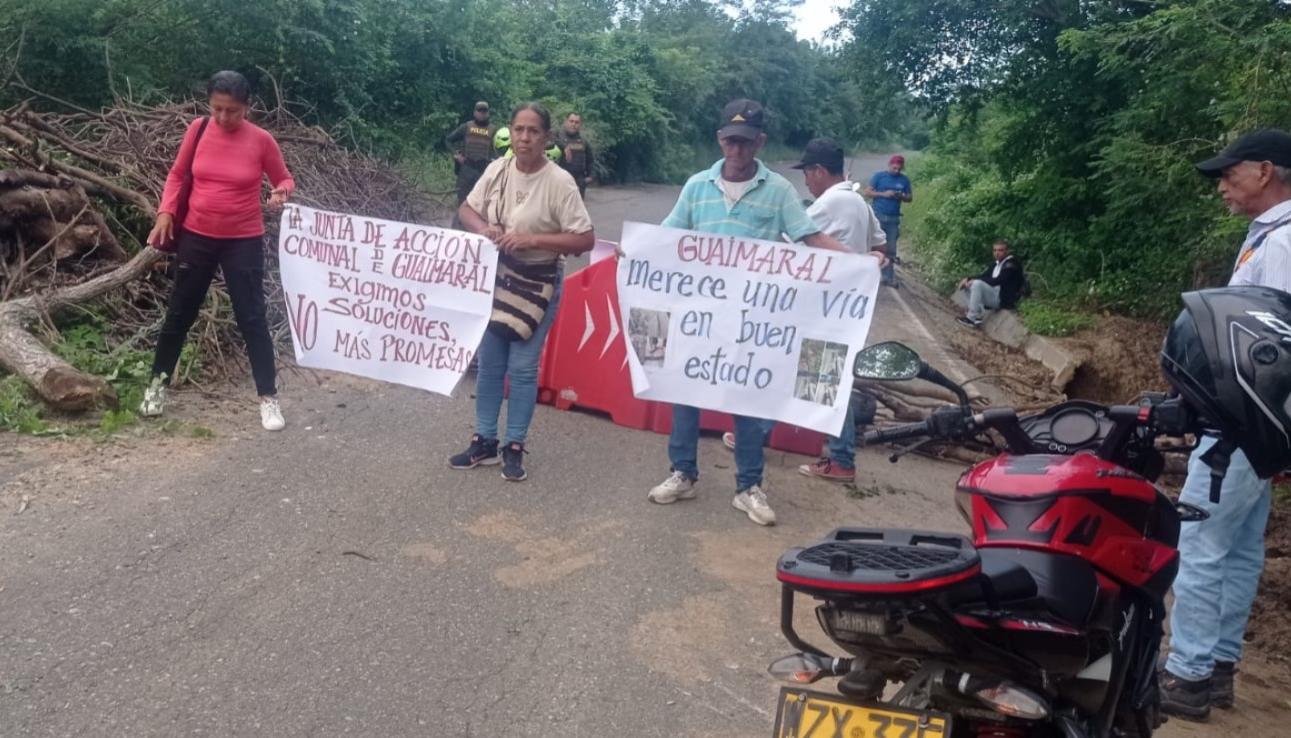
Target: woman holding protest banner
(210, 217)
(531, 209)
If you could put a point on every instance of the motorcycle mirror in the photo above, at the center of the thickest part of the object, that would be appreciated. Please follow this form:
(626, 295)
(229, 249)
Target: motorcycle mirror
(800, 668)
(889, 361)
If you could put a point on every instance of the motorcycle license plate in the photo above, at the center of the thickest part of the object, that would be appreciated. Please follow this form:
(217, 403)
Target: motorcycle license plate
(805, 714)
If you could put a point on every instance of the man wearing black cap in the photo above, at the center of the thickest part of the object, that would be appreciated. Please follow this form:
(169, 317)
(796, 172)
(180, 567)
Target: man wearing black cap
(737, 196)
(1220, 558)
(472, 147)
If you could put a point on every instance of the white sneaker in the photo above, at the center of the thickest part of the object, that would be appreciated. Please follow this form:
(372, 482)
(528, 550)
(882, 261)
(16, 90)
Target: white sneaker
(677, 486)
(154, 399)
(753, 502)
(271, 414)
(728, 440)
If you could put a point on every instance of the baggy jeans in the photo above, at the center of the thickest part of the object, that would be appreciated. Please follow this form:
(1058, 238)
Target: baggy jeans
(981, 297)
(1220, 560)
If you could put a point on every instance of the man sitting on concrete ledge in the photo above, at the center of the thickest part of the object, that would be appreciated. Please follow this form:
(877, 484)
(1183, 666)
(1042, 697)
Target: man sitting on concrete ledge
(998, 286)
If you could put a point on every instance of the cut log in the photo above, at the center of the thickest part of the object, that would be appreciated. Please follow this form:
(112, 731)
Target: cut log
(59, 383)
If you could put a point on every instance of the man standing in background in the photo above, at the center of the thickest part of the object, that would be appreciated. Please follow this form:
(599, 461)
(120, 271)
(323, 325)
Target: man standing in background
(888, 189)
(472, 147)
(843, 214)
(576, 153)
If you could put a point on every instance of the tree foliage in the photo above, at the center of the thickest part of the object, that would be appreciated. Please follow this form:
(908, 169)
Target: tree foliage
(649, 75)
(1071, 127)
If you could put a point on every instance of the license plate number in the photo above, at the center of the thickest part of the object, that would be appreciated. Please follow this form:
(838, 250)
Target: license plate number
(804, 714)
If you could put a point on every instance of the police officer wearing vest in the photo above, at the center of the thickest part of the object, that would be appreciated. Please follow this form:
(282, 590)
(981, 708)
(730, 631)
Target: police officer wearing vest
(576, 153)
(472, 147)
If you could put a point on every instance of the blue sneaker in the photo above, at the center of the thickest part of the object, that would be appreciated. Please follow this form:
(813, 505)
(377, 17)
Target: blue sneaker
(513, 462)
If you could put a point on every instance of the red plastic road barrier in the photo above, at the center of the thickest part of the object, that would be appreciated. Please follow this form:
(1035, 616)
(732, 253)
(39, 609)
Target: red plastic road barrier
(585, 364)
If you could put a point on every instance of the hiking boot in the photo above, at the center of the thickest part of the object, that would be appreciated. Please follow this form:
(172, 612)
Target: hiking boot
(154, 399)
(828, 469)
(728, 440)
(513, 462)
(271, 414)
(482, 452)
(1185, 698)
(1221, 685)
(677, 486)
(753, 502)
(970, 322)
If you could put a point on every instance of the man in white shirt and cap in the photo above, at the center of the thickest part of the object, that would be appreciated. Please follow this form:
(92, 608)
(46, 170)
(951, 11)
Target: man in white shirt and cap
(842, 213)
(1221, 557)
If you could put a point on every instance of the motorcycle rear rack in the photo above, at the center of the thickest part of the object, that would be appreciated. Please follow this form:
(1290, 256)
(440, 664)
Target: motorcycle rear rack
(881, 563)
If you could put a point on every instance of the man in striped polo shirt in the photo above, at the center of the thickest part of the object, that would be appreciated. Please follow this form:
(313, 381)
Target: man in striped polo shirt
(737, 196)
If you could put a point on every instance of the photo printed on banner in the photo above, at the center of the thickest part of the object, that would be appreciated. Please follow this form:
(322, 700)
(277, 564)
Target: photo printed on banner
(648, 332)
(820, 371)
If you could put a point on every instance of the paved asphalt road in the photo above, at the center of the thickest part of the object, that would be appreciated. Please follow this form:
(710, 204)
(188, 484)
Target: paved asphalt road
(338, 579)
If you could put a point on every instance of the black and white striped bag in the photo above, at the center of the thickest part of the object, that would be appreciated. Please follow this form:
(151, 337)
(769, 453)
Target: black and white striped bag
(523, 291)
(521, 297)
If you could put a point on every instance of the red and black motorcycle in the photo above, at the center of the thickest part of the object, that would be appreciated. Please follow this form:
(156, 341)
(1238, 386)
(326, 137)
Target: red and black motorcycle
(1046, 622)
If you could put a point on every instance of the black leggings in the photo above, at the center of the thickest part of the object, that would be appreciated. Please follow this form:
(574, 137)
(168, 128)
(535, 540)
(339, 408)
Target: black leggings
(242, 261)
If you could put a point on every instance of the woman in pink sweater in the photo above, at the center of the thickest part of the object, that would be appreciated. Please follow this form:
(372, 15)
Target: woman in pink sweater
(229, 156)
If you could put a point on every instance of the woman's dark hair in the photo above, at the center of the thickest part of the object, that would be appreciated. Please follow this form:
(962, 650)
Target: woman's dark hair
(536, 107)
(230, 83)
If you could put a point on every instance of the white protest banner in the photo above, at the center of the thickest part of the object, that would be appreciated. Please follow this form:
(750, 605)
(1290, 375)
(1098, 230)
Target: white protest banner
(392, 301)
(759, 328)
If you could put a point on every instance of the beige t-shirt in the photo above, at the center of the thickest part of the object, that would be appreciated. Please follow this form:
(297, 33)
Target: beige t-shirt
(546, 201)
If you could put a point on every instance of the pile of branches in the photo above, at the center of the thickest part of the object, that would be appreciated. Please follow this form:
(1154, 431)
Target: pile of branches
(78, 194)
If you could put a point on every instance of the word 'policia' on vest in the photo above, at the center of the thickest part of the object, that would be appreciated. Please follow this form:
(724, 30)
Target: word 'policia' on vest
(478, 146)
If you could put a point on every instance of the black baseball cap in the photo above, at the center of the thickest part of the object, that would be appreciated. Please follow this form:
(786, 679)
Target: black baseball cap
(1270, 144)
(482, 106)
(743, 118)
(822, 151)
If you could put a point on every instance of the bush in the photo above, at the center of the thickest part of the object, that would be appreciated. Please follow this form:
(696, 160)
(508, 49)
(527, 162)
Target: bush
(20, 409)
(1053, 319)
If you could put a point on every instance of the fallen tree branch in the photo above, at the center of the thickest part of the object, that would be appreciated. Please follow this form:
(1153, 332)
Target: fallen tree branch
(57, 382)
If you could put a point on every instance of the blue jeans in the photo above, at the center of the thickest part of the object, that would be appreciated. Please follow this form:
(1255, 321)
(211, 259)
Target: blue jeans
(891, 225)
(1220, 560)
(683, 446)
(499, 360)
(842, 448)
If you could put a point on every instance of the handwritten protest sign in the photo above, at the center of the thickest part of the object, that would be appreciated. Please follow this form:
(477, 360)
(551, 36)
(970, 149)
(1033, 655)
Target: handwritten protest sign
(392, 301)
(758, 328)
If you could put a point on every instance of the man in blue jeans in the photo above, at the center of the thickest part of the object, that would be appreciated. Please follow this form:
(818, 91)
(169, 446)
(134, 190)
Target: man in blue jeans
(1220, 558)
(737, 196)
(887, 190)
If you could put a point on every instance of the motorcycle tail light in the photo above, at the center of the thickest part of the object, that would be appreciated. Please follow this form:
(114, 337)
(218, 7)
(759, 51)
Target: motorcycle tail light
(806, 668)
(853, 622)
(1014, 701)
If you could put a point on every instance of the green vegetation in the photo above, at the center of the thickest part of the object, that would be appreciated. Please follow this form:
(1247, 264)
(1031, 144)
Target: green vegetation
(85, 344)
(1049, 318)
(19, 409)
(649, 76)
(1071, 129)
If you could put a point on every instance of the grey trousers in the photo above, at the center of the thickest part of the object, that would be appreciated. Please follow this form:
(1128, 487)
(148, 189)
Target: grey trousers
(981, 297)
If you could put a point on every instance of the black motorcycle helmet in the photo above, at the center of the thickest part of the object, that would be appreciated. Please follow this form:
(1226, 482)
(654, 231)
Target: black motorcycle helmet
(1229, 355)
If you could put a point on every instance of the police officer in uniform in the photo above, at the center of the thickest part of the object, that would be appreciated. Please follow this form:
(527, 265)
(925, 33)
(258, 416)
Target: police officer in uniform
(472, 147)
(576, 156)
